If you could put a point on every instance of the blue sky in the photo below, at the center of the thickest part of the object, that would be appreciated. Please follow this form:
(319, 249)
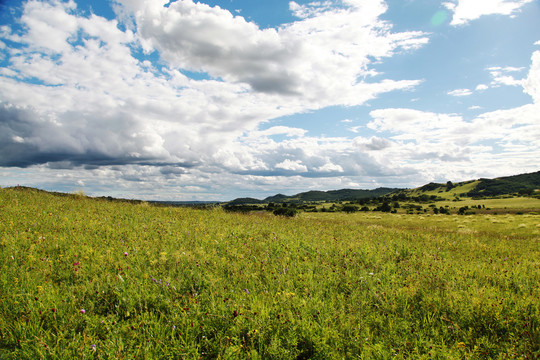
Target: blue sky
(212, 100)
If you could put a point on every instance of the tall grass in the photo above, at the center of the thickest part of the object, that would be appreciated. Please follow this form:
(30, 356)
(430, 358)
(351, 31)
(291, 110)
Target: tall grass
(86, 278)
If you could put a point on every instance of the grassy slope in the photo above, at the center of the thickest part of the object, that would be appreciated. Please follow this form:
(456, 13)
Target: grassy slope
(207, 284)
(441, 190)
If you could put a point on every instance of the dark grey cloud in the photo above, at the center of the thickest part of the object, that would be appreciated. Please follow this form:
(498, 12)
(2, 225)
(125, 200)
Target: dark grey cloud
(71, 140)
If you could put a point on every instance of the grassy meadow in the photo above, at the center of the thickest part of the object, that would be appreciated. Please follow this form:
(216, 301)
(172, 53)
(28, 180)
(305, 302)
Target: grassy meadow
(87, 278)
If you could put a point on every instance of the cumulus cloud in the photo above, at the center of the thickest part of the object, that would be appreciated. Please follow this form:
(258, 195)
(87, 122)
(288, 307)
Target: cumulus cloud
(76, 77)
(304, 57)
(292, 165)
(531, 85)
(467, 10)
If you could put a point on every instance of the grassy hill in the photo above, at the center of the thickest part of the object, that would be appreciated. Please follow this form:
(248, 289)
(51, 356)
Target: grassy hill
(518, 185)
(524, 184)
(93, 278)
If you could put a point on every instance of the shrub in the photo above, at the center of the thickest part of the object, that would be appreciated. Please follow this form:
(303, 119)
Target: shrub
(350, 208)
(290, 212)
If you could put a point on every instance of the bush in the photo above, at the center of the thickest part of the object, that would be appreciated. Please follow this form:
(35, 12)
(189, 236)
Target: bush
(290, 212)
(350, 208)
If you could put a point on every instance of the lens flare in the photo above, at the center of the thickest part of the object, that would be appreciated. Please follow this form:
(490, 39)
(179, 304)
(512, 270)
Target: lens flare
(439, 17)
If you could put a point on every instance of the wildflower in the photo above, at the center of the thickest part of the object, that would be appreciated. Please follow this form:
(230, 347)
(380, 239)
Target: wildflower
(125, 253)
(247, 291)
(82, 311)
(93, 347)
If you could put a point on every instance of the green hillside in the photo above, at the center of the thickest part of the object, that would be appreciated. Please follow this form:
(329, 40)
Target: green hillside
(524, 184)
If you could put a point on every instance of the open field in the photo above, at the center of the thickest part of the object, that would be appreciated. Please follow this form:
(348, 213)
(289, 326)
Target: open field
(87, 278)
(500, 205)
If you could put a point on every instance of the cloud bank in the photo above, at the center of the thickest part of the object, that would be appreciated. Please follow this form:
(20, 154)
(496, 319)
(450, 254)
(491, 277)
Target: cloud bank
(77, 77)
(171, 98)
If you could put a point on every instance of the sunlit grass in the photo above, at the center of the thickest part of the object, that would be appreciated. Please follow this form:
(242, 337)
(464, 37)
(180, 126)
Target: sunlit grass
(158, 282)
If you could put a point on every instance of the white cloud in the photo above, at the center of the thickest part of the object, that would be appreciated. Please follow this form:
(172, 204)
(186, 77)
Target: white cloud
(460, 92)
(481, 87)
(291, 165)
(112, 108)
(531, 85)
(49, 26)
(330, 168)
(467, 10)
(304, 57)
(501, 76)
(282, 130)
(311, 9)
(412, 122)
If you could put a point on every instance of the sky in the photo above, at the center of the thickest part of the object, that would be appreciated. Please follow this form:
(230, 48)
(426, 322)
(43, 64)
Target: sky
(214, 100)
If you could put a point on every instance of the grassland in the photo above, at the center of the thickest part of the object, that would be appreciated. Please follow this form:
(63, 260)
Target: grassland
(87, 278)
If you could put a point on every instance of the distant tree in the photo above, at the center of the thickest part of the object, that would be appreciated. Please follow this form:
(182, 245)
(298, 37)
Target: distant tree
(449, 185)
(385, 207)
(349, 208)
(443, 210)
(284, 211)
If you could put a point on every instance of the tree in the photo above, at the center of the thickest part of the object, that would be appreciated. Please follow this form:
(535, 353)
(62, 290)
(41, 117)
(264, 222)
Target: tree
(284, 211)
(349, 208)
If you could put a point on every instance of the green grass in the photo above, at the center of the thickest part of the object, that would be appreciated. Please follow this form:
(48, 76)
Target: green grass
(513, 203)
(160, 282)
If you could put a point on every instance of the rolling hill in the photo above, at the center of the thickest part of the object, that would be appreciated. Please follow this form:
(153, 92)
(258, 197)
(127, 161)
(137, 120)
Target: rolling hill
(524, 184)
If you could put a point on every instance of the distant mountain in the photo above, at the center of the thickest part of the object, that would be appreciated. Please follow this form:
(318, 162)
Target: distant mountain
(318, 196)
(246, 201)
(339, 195)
